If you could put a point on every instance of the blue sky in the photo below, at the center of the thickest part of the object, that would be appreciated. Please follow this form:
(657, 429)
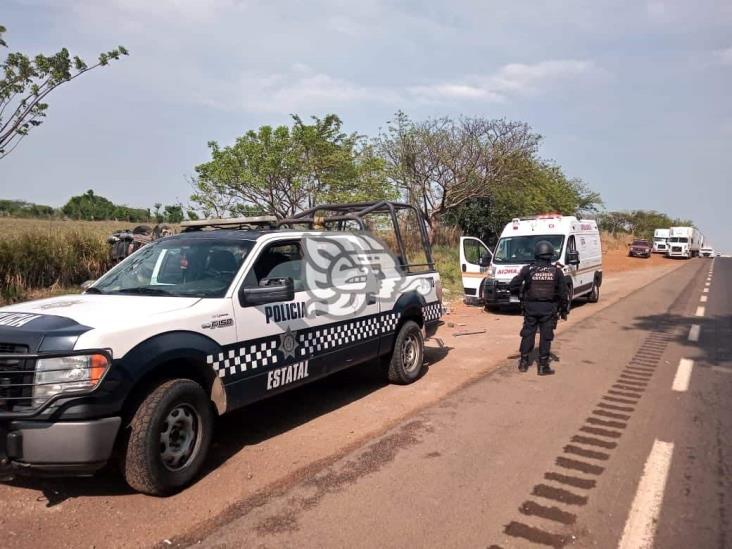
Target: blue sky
(631, 96)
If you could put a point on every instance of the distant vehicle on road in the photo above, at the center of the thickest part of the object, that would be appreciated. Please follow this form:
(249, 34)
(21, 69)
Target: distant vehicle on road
(660, 240)
(577, 249)
(707, 251)
(684, 242)
(640, 248)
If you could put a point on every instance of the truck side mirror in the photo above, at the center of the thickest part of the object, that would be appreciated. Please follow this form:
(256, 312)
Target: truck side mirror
(573, 258)
(270, 290)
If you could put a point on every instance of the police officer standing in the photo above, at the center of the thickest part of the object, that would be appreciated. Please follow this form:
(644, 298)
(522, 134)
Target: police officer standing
(544, 297)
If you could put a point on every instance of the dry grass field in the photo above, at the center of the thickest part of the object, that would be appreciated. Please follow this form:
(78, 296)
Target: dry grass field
(11, 227)
(41, 257)
(46, 257)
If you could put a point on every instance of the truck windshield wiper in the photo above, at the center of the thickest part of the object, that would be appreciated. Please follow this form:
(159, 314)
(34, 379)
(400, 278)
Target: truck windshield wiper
(144, 291)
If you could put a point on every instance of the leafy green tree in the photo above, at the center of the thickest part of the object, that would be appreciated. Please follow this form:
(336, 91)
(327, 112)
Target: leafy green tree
(442, 164)
(192, 215)
(27, 81)
(639, 223)
(283, 170)
(159, 217)
(173, 213)
(89, 206)
(542, 188)
(21, 208)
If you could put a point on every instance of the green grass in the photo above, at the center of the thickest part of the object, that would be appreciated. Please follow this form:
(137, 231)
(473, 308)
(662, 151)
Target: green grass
(447, 263)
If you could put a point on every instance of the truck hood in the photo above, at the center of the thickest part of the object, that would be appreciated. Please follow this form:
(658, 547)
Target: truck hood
(91, 310)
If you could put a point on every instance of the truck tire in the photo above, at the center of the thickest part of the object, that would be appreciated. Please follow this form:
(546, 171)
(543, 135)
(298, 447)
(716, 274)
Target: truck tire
(407, 358)
(570, 296)
(594, 295)
(170, 435)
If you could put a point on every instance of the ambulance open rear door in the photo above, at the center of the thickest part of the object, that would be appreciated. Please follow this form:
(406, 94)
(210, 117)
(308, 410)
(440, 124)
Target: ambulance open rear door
(475, 258)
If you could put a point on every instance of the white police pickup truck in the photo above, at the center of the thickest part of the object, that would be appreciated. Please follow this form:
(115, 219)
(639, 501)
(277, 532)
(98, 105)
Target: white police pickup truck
(204, 322)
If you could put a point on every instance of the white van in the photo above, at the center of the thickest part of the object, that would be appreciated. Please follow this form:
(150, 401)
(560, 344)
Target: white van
(577, 248)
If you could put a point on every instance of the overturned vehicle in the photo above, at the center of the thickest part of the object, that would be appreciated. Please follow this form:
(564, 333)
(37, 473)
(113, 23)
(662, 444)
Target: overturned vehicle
(123, 243)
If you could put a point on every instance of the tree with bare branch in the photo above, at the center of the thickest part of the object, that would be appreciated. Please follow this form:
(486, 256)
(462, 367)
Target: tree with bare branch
(439, 164)
(26, 82)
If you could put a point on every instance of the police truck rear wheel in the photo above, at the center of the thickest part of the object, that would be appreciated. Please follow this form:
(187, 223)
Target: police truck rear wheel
(169, 438)
(407, 359)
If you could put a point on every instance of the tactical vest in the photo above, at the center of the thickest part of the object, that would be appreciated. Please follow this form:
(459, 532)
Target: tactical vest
(541, 286)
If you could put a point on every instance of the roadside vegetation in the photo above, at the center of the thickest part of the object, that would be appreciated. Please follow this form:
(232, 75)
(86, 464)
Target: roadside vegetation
(467, 175)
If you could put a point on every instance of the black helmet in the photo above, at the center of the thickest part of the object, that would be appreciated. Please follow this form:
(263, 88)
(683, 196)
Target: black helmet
(543, 250)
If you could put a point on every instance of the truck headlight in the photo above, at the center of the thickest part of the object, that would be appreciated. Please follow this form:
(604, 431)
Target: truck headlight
(67, 374)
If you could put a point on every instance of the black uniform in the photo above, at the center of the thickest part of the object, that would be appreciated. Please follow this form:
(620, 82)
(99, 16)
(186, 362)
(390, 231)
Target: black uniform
(544, 297)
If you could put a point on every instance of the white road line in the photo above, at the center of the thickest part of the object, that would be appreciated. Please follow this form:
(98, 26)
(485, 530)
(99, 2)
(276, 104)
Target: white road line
(640, 528)
(683, 375)
(704, 299)
(700, 311)
(694, 333)
(705, 291)
(707, 284)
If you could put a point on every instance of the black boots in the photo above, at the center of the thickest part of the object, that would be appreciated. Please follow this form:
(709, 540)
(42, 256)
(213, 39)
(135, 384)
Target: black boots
(544, 368)
(524, 363)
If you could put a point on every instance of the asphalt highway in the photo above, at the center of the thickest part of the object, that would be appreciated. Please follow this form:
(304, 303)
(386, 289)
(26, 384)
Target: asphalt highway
(629, 445)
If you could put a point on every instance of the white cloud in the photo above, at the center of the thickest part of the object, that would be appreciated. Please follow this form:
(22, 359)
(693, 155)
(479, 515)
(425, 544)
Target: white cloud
(300, 88)
(514, 79)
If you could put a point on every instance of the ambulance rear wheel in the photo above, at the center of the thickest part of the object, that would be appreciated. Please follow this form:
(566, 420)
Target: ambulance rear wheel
(170, 434)
(407, 359)
(594, 295)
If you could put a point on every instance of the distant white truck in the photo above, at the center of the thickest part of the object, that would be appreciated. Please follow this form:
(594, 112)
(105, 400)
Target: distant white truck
(660, 240)
(684, 242)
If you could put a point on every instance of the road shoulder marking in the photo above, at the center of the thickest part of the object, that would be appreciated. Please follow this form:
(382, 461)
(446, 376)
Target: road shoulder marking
(700, 311)
(683, 375)
(640, 528)
(694, 333)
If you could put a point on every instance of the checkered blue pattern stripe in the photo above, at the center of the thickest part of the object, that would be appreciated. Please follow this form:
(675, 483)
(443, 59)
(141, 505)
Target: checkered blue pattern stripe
(432, 311)
(310, 342)
(330, 337)
(248, 356)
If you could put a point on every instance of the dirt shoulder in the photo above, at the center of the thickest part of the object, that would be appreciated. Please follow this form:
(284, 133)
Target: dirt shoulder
(270, 445)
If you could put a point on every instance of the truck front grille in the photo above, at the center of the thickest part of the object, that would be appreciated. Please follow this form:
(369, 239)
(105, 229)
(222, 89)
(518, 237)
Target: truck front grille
(676, 249)
(16, 379)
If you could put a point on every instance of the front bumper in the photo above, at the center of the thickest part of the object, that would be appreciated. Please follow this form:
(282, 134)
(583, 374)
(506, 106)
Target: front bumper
(496, 292)
(639, 253)
(63, 448)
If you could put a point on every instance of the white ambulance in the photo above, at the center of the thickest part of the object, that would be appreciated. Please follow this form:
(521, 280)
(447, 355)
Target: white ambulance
(487, 274)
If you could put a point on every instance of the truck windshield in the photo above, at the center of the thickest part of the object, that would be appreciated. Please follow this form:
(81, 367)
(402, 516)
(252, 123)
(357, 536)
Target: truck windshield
(660, 239)
(520, 249)
(680, 239)
(177, 267)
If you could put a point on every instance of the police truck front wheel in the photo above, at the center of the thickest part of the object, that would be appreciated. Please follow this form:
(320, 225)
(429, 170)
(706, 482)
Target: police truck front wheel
(407, 359)
(169, 438)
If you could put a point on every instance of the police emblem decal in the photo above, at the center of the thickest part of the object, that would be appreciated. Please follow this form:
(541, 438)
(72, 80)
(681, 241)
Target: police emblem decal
(288, 343)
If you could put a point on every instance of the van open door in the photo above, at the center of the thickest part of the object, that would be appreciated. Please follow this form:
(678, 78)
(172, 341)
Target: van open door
(472, 250)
